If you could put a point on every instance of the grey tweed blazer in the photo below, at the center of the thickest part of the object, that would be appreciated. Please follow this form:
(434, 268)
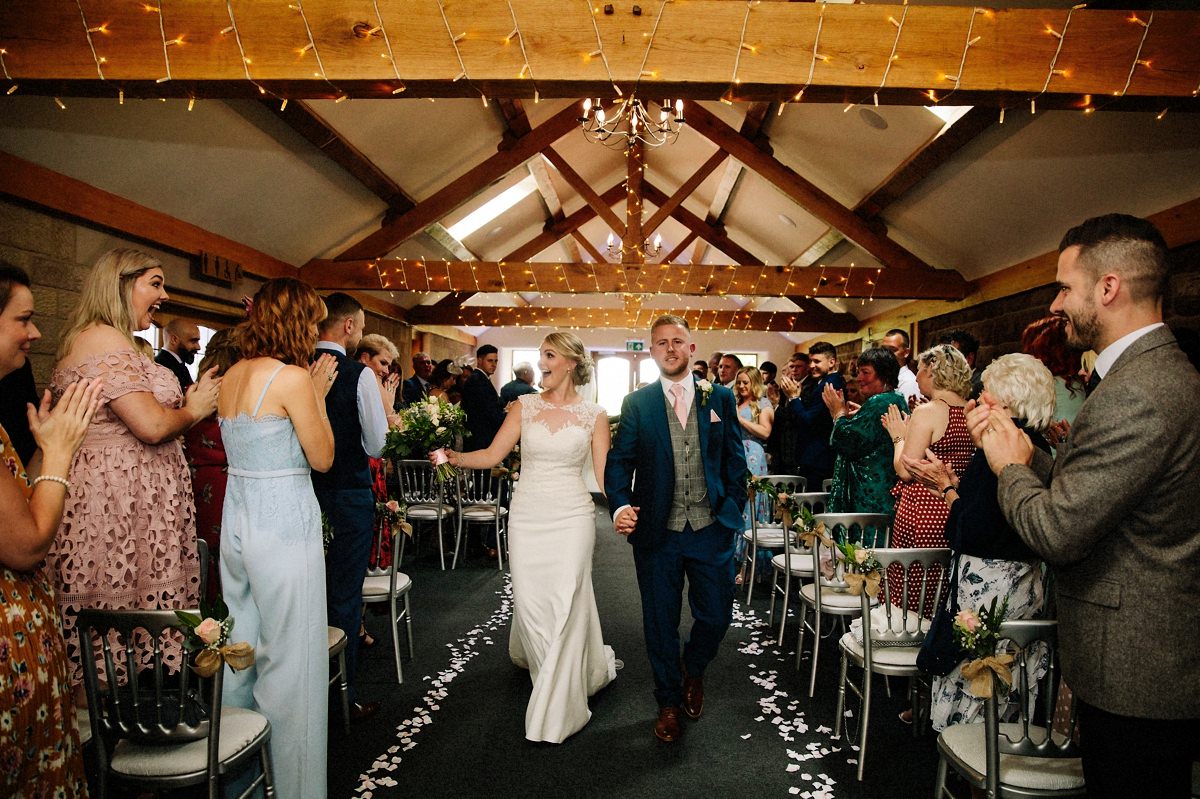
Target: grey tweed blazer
(1118, 517)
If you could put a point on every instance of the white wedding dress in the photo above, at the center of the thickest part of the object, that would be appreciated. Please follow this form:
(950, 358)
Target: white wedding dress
(552, 531)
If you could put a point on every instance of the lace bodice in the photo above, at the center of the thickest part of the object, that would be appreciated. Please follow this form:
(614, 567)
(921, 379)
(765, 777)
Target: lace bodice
(124, 372)
(555, 443)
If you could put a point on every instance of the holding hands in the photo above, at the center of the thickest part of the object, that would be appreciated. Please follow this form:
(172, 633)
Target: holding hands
(322, 371)
(626, 521)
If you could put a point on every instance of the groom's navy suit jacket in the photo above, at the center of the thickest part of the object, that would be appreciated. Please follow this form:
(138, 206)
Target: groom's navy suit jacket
(642, 450)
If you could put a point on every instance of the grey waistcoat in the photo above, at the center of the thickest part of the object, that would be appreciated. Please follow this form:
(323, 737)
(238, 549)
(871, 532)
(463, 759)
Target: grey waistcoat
(689, 503)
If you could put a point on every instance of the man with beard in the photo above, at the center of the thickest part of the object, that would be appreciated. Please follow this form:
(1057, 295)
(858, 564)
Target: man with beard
(183, 342)
(1115, 513)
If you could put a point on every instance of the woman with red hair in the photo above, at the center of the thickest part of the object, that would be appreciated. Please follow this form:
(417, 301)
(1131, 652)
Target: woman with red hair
(1046, 340)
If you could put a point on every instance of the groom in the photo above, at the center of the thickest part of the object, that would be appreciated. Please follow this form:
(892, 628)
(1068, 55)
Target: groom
(679, 437)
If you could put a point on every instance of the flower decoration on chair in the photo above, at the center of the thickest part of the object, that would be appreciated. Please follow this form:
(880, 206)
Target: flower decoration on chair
(978, 633)
(510, 467)
(326, 532)
(864, 572)
(427, 427)
(207, 635)
(395, 514)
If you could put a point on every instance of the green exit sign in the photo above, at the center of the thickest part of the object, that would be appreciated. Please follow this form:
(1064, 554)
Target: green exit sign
(635, 345)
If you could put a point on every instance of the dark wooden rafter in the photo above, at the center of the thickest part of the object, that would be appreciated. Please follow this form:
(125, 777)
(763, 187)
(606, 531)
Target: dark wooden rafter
(32, 183)
(684, 191)
(554, 211)
(907, 175)
(553, 232)
(588, 246)
(458, 191)
(684, 243)
(589, 195)
(632, 240)
(752, 128)
(301, 118)
(811, 198)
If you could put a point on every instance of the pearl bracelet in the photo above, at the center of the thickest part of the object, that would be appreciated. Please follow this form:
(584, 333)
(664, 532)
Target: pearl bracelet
(53, 478)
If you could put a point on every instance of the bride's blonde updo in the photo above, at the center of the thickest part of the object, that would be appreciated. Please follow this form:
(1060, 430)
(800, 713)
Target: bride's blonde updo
(568, 345)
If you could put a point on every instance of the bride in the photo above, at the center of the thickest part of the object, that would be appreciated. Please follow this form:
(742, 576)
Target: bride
(555, 628)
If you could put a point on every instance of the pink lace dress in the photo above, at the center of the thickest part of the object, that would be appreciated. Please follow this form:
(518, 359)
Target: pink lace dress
(128, 534)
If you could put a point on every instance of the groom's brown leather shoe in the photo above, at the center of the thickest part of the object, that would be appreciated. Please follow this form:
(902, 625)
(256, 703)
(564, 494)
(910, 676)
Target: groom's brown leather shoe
(667, 728)
(693, 696)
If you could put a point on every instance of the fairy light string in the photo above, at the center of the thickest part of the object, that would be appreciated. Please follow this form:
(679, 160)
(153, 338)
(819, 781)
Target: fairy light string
(387, 41)
(3, 66)
(895, 45)
(526, 68)
(727, 98)
(969, 43)
(88, 30)
(237, 37)
(162, 32)
(1137, 57)
(599, 51)
(298, 5)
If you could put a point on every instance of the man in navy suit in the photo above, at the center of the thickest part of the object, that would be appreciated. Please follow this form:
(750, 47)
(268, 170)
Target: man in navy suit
(417, 386)
(808, 416)
(679, 437)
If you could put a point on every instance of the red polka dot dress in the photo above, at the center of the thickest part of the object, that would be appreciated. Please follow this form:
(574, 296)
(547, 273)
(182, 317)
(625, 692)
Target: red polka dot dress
(920, 513)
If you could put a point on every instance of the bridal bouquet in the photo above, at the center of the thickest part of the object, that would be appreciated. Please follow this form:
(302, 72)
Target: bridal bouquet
(207, 635)
(978, 633)
(426, 427)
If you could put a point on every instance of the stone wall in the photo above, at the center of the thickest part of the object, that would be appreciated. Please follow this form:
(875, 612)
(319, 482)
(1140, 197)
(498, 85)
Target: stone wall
(998, 324)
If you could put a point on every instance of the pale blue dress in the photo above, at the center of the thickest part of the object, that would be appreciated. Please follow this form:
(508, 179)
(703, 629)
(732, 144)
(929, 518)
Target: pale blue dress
(273, 574)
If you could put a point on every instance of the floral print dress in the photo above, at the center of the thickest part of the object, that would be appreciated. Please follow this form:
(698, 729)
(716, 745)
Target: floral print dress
(39, 746)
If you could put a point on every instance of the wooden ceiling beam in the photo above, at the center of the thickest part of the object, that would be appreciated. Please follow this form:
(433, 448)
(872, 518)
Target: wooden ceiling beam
(633, 241)
(674, 278)
(904, 177)
(714, 234)
(539, 316)
(575, 180)
(588, 247)
(395, 231)
(684, 243)
(552, 233)
(298, 116)
(811, 198)
(683, 192)
(554, 211)
(1008, 63)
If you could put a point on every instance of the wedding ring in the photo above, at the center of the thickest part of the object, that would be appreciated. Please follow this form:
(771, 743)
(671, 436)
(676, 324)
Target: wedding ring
(331, 378)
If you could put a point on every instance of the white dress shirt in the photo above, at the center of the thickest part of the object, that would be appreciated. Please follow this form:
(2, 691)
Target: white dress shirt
(689, 395)
(906, 384)
(1106, 359)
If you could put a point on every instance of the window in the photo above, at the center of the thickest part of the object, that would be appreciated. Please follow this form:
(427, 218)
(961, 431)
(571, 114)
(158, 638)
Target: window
(530, 357)
(612, 382)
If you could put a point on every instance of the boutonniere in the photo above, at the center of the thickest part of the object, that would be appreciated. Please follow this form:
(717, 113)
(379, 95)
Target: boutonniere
(705, 388)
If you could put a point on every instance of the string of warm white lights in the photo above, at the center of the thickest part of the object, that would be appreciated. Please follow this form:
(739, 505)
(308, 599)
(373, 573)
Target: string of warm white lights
(13, 88)
(1137, 57)
(88, 30)
(237, 37)
(298, 5)
(816, 55)
(526, 69)
(162, 32)
(649, 44)
(895, 44)
(390, 55)
(599, 51)
(727, 97)
(1061, 36)
(454, 40)
(970, 42)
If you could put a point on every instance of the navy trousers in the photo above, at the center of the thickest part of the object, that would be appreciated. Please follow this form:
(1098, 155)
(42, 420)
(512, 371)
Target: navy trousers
(705, 557)
(352, 514)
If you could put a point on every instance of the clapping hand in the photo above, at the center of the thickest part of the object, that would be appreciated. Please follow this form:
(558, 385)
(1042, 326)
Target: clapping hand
(787, 386)
(387, 387)
(895, 421)
(202, 396)
(60, 431)
(834, 400)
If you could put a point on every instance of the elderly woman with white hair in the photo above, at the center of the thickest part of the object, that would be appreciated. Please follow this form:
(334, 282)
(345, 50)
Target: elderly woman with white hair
(992, 560)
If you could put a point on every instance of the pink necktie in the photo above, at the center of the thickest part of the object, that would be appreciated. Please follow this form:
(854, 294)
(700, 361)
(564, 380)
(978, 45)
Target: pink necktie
(679, 405)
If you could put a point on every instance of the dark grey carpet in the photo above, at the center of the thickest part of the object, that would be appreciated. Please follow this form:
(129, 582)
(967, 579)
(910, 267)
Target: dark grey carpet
(456, 725)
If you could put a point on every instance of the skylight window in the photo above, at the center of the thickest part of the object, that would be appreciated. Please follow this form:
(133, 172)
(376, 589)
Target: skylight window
(493, 208)
(949, 114)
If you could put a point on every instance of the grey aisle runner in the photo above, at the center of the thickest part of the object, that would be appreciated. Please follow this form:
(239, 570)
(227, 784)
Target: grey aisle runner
(456, 725)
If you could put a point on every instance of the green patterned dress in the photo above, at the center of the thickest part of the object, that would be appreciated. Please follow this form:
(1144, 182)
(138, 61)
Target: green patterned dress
(863, 474)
